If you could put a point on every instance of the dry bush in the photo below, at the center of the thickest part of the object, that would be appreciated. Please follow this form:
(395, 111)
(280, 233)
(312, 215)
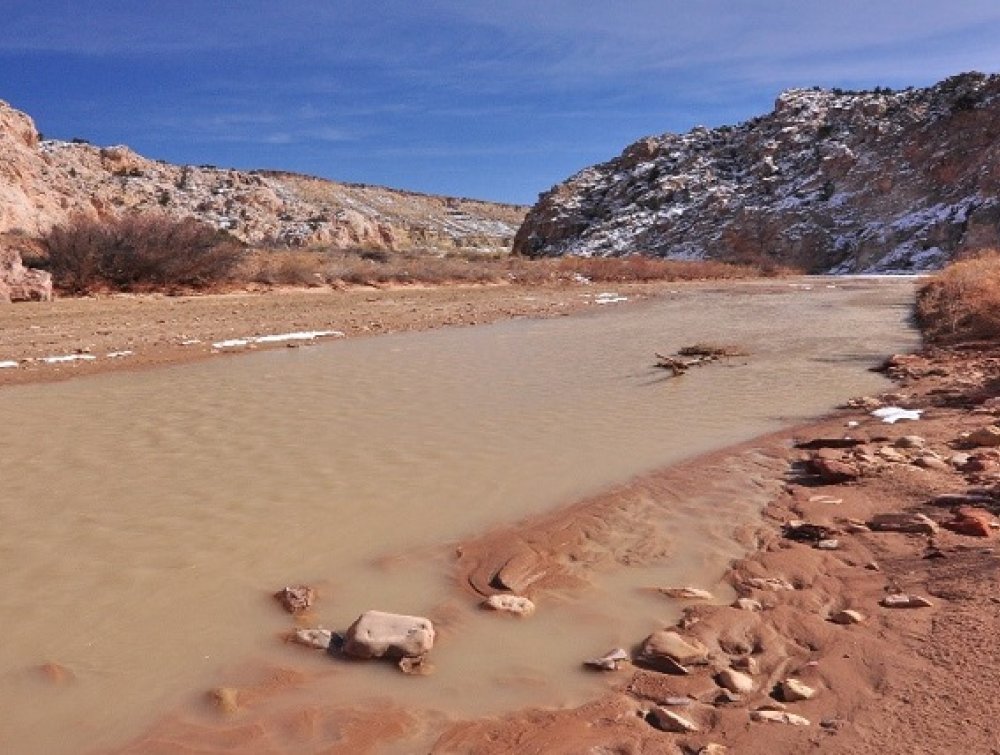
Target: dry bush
(962, 302)
(138, 252)
(284, 267)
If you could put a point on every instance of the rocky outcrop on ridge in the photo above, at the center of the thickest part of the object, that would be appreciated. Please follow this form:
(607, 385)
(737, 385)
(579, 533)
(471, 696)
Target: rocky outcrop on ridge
(45, 182)
(829, 181)
(20, 283)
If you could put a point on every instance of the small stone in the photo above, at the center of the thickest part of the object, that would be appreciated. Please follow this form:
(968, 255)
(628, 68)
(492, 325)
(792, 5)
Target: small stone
(296, 599)
(985, 436)
(515, 604)
(903, 522)
(959, 460)
(376, 634)
(792, 691)
(890, 454)
(774, 584)
(313, 638)
(678, 702)
(726, 697)
(748, 604)
(418, 666)
(667, 720)
(847, 616)
(226, 699)
(686, 593)
(772, 705)
(746, 663)
(806, 531)
(735, 681)
(610, 661)
(910, 441)
(931, 462)
(972, 521)
(828, 545)
(873, 566)
(779, 717)
(901, 600)
(832, 471)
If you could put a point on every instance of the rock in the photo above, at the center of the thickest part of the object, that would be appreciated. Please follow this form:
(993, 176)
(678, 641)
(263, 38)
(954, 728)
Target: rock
(226, 699)
(828, 545)
(847, 616)
(971, 521)
(903, 522)
(667, 720)
(988, 436)
(910, 441)
(610, 661)
(669, 644)
(296, 599)
(806, 531)
(712, 748)
(20, 283)
(931, 462)
(320, 639)
(725, 697)
(892, 455)
(686, 593)
(832, 471)
(376, 634)
(792, 691)
(873, 566)
(817, 443)
(735, 681)
(901, 600)
(962, 499)
(779, 717)
(748, 604)
(774, 584)
(678, 702)
(959, 460)
(418, 666)
(746, 663)
(514, 604)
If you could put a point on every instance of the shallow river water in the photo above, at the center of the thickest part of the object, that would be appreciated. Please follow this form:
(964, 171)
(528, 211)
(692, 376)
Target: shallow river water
(145, 518)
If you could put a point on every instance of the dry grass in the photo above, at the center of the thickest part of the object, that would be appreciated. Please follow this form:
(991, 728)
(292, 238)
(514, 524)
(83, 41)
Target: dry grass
(962, 302)
(378, 267)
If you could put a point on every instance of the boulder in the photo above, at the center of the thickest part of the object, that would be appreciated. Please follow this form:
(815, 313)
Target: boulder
(669, 644)
(20, 283)
(514, 604)
(377, 634)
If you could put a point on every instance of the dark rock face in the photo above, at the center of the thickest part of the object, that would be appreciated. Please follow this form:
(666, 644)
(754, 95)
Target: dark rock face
(829, 181)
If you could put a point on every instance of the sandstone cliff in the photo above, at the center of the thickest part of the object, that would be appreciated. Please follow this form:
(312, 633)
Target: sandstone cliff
(43, 183)
(830, 181)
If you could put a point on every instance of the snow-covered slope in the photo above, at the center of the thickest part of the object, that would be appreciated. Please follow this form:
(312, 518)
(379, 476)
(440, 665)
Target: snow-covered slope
(830, 181)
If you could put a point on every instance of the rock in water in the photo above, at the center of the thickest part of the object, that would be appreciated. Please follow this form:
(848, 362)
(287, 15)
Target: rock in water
(377, 634)
(296, 598)
(313, 638)
(515, 604)
(610, 661)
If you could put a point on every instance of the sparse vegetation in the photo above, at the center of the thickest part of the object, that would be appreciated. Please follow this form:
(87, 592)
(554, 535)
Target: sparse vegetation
(962, 302)
(138, 252)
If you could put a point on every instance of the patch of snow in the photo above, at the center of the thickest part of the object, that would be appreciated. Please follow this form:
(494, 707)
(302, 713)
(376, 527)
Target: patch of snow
(68, 358)
(119, 354)
(893, 414)
(308, 335)
(609, 298)
(8, 364)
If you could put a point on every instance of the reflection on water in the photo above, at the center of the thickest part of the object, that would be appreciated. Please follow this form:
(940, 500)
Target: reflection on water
(147, 517)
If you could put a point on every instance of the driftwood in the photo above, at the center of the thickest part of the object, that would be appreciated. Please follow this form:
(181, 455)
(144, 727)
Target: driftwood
(695, 356)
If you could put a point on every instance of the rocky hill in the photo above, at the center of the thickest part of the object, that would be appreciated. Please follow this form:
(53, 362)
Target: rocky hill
(829, 181)
(43, 183)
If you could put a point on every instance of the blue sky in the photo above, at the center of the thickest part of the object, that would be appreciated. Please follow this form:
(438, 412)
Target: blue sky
(480, 98)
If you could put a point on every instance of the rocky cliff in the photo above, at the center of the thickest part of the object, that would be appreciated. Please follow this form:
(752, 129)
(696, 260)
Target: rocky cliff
(43, 183)
(829, 181)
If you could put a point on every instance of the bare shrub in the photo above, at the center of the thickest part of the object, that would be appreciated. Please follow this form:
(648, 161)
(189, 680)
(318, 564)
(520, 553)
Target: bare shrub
(138, 252)
(962, 302)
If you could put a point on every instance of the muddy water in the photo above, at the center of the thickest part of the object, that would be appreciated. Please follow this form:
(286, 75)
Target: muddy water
(146, 517)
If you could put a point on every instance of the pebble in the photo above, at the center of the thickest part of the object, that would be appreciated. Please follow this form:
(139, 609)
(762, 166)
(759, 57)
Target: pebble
(515, 604)
(313, 638)
(901, 600)
(847, 616)
(779, 717)
(735, 681)
(296, 598)
(931, 462)
(667, 720)
(792, 691)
